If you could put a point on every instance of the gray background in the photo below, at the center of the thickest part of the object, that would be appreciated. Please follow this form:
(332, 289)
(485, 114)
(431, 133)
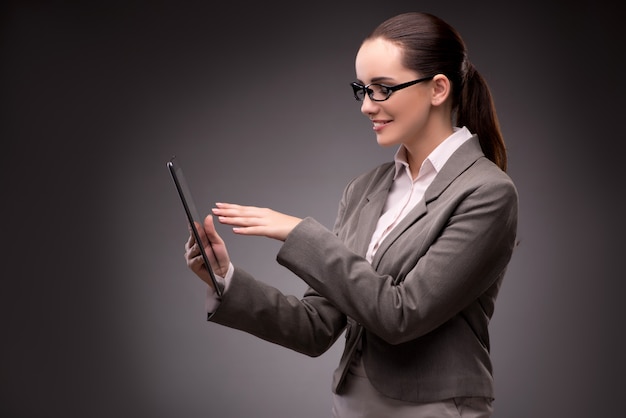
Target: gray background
(100, 316)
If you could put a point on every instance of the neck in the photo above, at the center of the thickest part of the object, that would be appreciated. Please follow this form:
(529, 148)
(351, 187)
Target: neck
(418, 150)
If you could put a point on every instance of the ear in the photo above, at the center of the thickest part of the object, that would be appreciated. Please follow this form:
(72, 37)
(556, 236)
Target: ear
(441, 89)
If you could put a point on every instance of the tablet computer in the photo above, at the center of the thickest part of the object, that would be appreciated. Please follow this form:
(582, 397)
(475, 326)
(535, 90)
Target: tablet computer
(195, 222)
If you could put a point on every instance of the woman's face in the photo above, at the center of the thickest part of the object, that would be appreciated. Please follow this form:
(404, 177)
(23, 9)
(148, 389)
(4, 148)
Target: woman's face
(401, 119)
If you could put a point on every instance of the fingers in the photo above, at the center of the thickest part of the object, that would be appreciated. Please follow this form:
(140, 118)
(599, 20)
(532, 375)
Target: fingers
(195, 263)
(237, 215)
(252, 220)
(193, 257)
(209, 228)
(211, 232)
(214, 248)
(244, 220)
(231, 210)
(192, 250)
(190, 242)
(192, 253)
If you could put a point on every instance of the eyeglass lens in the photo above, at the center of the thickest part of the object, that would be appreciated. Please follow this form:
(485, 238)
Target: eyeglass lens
(374, 91)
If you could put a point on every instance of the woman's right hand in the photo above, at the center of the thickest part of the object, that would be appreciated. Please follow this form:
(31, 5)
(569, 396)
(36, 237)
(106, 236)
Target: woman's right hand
(214, 248)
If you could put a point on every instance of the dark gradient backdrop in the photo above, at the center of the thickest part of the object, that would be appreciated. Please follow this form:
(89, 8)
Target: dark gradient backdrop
(100, 316)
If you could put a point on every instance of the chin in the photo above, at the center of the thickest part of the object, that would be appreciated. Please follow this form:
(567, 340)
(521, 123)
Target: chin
(385, 142)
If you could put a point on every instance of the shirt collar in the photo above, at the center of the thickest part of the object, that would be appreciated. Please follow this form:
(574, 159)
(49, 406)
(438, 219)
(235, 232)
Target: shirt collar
(439, 156)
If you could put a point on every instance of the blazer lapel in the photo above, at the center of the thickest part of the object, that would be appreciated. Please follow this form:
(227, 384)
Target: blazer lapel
(371, 211)
(458, 162)
(413, 216)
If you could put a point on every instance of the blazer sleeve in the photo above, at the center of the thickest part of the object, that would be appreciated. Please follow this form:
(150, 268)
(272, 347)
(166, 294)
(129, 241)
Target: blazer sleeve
(442, 263)
(309, 325)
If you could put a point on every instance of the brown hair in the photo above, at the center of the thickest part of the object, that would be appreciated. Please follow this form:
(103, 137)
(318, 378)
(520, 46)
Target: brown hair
(431, 46)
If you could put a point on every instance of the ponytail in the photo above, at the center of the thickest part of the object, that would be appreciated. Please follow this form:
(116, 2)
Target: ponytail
(476, 110)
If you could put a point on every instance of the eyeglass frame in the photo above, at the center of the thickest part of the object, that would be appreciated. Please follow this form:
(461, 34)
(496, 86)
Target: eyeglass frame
(359, 87)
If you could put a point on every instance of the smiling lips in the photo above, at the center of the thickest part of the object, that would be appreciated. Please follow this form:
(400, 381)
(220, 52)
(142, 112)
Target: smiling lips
(380, 124)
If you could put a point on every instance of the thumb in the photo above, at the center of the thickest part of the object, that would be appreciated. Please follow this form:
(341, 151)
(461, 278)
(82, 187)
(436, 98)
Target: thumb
(210, 231)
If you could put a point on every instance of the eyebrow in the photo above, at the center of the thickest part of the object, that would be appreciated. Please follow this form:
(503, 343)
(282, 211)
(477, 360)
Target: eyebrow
(378, 79)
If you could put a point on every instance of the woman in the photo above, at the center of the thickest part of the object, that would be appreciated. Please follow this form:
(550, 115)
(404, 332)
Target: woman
(419, 249)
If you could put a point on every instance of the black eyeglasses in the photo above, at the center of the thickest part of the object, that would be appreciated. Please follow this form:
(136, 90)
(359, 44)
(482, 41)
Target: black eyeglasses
(380, 92)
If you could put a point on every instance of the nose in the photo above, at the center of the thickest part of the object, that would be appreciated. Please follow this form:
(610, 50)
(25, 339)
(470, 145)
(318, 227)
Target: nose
(368, 106)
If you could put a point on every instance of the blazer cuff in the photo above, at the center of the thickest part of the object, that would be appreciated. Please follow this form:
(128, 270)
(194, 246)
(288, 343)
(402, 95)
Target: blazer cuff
(212, 301)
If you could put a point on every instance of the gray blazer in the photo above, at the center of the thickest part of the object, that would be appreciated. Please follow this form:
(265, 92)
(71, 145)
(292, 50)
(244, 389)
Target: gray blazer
(421, 308)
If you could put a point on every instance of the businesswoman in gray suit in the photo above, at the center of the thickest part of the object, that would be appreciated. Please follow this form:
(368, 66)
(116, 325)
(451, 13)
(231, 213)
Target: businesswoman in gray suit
(412, 267)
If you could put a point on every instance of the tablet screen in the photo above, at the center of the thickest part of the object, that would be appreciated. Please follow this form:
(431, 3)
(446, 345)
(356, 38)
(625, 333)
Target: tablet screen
(195, 221)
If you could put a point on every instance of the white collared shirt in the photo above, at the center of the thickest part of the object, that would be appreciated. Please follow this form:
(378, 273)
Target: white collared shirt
(405, 191)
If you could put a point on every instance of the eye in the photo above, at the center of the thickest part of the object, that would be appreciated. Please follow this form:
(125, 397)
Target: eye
(384, 89)
(380, 91)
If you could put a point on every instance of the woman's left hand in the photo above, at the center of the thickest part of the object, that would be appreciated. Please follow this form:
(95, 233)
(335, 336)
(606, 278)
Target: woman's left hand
(251, 220)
